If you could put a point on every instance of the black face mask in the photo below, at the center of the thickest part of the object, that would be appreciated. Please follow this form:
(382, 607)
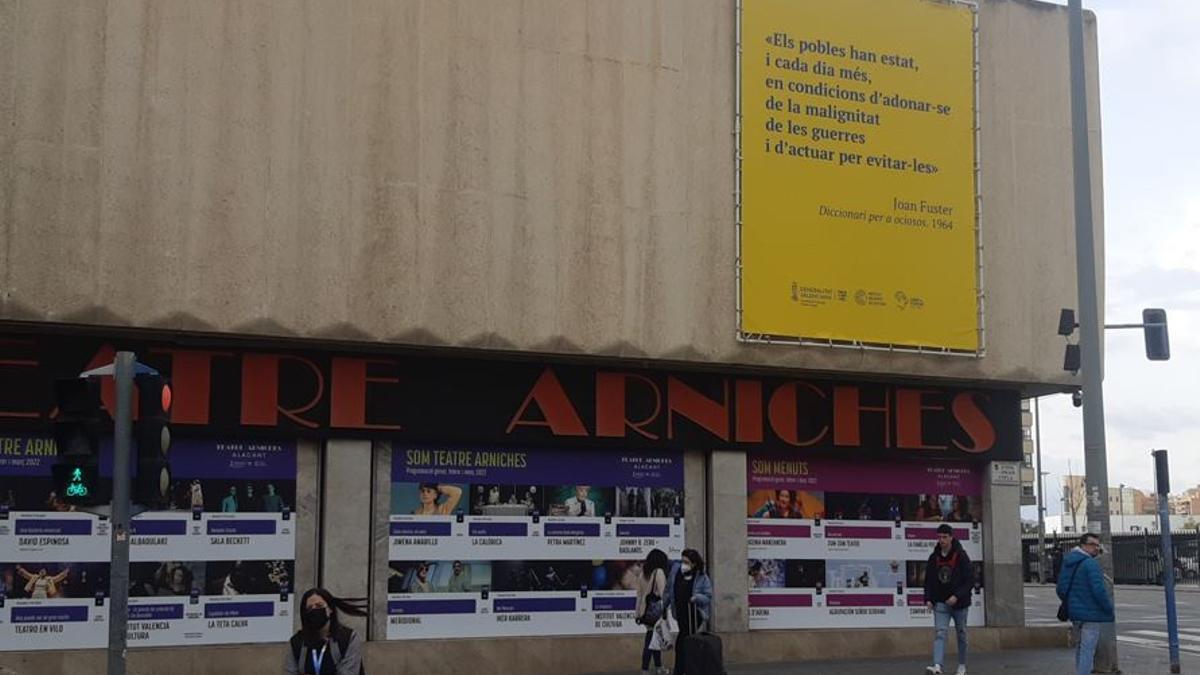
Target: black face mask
(314, 618)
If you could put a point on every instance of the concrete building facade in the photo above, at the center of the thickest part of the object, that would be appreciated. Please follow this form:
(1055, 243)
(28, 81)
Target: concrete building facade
(298, 208)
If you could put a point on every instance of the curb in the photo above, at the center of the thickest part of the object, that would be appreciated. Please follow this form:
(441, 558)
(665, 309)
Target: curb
(1179, 588)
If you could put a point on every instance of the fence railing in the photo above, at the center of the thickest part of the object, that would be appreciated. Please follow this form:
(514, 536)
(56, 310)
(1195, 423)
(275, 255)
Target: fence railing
(1137, 557)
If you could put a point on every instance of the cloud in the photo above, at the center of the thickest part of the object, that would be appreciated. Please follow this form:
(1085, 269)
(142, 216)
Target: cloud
(1145, 423)
(1149, 92)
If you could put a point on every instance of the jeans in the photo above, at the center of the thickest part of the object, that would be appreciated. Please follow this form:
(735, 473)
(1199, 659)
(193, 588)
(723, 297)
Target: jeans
(647, 653)
(1085, 649)
(942, 613)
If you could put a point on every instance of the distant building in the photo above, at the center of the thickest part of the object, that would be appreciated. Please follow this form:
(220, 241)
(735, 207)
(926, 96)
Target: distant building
(1120, 523)
(1028, 468)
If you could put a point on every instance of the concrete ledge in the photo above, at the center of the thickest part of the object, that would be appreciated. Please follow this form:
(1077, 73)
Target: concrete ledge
(567, 654)
(233, 659)
(806, 645)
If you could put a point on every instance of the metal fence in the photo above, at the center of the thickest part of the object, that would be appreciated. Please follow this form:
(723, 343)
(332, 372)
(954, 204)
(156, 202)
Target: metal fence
(1137, 557)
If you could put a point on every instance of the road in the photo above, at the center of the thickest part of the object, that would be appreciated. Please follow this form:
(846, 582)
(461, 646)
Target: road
(1141, 616)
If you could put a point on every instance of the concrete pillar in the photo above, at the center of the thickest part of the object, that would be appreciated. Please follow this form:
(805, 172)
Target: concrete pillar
(1004, 584)
(307, 514)
(725, 489)
(346, 522)
(695, 498)
(381, 509)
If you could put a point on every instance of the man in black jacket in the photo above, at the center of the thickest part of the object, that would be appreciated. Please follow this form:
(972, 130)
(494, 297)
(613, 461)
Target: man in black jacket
(948, 582)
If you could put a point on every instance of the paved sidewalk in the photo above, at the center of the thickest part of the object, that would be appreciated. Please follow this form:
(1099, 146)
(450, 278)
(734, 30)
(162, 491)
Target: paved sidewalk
(1179, 587)
(1134, 661)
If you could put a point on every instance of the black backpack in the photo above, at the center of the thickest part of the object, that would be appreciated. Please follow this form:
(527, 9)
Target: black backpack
(342, 637)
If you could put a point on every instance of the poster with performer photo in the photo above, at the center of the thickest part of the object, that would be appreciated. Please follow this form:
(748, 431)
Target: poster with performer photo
(456, 598)
(216, 567)
(834, 543)
(505, 541)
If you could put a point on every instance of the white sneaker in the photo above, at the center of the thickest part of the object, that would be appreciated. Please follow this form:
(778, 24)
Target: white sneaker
(935, 669)
(962, 670)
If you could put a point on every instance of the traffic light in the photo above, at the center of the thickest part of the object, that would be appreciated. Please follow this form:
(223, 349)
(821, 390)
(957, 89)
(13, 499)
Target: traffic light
(77, 428)
(153, 438)
(1154, 325)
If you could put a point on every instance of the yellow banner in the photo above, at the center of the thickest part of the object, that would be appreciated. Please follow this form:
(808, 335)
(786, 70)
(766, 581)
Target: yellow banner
(858, 181)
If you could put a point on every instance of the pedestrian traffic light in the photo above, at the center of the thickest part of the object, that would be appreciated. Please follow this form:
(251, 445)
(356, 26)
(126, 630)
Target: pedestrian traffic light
(153, 438)
(1154, 325)
(77, 427)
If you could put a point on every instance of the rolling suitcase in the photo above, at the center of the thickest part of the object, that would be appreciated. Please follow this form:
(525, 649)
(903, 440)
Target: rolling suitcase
(702, 651)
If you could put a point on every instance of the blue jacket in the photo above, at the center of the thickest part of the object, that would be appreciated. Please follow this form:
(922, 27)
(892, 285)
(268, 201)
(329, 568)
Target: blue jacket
(702, 593)
(1088, 598)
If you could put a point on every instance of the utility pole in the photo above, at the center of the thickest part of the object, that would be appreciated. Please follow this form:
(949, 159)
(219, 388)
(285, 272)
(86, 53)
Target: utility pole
(118, 586)
(1094, 446)
(1162, 485)
(1041, 497)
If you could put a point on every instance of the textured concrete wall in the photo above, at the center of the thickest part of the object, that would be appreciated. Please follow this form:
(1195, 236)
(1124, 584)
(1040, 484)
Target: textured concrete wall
(346, 528)
(1003, 573)
(727, 552)
(517, 174)
(308, 517)
(381, 511)
(695, 500)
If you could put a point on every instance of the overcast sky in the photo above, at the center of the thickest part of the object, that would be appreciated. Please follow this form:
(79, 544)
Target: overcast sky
(1149, 100)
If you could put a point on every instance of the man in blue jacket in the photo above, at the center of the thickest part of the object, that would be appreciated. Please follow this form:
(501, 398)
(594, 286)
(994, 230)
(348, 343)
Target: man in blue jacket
(1081, 586)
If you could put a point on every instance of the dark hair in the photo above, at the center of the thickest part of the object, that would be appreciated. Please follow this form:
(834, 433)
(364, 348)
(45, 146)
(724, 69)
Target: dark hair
(656, 559)
(1087, 537)
(696, 559)
(791, 493)
(428, 486)
(945, 529)
(350, 606)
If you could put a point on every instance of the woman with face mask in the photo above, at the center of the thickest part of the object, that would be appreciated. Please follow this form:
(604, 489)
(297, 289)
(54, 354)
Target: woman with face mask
(689, 597)
(323, 646)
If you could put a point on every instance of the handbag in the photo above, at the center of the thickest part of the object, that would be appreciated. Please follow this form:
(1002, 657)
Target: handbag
(653, 611)
(663, 638)
(1064, 613)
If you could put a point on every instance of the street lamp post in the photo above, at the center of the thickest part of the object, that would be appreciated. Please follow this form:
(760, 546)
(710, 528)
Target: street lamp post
(1041, 497)
(1094, 446)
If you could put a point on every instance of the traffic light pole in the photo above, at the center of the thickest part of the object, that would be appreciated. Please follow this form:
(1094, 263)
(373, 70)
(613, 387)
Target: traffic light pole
(1162, 486)
(1094, 446)
(118, 579)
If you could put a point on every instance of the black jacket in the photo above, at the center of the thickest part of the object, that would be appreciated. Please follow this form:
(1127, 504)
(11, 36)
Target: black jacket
(949, 575)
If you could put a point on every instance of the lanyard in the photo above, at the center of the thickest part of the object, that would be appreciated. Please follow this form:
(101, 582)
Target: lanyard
(318, 659)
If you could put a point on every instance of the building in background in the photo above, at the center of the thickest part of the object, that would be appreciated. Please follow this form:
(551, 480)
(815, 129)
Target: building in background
(1187, 503)
(1134, 524)
(1123, 500)
(1029, 466)
(1074, 504)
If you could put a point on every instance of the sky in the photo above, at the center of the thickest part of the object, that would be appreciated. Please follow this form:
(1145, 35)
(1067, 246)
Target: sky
(1149, 98)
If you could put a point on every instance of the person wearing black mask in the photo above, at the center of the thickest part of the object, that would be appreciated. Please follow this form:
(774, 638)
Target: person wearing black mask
(323, 646)
(689, 597)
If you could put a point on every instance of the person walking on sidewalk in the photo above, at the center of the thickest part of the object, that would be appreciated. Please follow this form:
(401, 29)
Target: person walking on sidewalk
(948, 582)
(1081, 586)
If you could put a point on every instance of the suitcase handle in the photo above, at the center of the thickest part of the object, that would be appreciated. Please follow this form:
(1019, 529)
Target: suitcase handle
(694, 613)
